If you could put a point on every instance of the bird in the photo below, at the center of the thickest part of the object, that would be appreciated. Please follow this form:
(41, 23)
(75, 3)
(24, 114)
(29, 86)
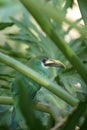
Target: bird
(40, 64)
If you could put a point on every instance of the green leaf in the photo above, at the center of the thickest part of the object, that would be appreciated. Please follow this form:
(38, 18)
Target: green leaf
(5, 25)
(72, 82)
(84, 125)
(4, 127)
(83, 8)
(5, 114)
(27, 108)
(69, 3)
(74, 118)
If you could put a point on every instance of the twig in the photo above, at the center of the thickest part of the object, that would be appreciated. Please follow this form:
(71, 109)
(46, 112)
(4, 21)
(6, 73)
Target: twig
(60, 124)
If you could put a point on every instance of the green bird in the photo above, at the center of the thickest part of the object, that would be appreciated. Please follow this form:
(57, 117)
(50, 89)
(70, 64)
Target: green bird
(40, 64)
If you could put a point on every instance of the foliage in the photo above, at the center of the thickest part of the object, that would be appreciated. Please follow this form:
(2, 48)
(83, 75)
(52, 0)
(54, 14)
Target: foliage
(39, 32)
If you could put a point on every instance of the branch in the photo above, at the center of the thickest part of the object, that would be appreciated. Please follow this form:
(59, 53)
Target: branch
(60, 124)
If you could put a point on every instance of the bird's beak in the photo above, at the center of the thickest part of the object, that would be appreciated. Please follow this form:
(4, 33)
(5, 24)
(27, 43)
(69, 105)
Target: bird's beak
(54, 63)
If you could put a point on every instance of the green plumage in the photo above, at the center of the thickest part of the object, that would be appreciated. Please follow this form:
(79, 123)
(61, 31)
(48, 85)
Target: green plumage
(40, 65)
(31, 85)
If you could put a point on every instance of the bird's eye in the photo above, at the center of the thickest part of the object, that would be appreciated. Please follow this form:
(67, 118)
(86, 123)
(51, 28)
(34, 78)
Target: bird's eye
(44, 60)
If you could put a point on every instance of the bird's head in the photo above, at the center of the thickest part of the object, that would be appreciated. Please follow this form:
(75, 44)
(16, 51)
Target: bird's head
(42, 64)
(49, 62)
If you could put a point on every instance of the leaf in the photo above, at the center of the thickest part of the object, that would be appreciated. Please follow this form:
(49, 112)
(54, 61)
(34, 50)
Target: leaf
(5, 25)
(8, 9)
(84, 125)
(5, 114)
(75, 116)
(4, 127)
(83, 9)
(69, 3)
(17, 118)
(27, 108)
(72, 82)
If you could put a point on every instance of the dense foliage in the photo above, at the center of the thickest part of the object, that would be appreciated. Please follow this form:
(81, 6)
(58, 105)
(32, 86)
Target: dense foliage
(30, 29)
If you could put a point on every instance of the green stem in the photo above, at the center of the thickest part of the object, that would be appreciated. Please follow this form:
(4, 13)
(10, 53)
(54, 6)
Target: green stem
(51, 86)
(6, 100)
(60, 43)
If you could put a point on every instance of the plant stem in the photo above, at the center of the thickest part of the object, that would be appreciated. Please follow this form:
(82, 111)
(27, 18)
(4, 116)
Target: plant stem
(6, 100)
(48, 84)
(60, 43)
